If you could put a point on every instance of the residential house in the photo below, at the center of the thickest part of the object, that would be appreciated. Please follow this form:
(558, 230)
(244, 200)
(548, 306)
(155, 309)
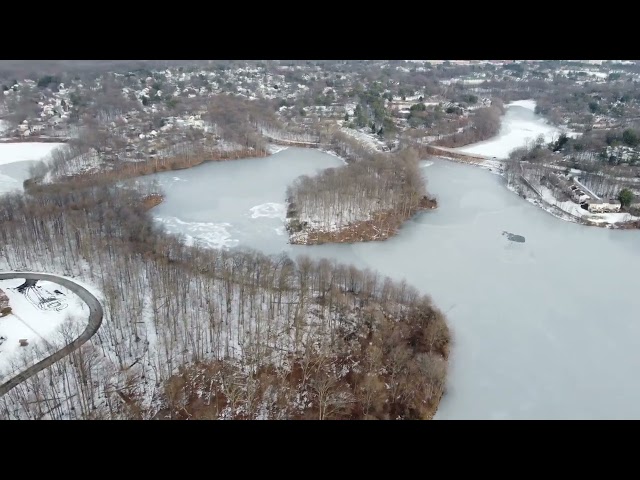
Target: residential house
(604, 206)
(578, 195)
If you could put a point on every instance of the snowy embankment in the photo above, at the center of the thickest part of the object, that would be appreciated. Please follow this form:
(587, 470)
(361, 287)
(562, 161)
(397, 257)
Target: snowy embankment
(573, 212)
(43, 318)
(273, 148)
(87, 162)
(332, 224)
(276, 135)
(544, 198)
(370, 141)
(333, 154)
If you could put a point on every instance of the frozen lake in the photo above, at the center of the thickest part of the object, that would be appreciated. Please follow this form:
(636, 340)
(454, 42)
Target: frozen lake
(544, 328)
(12, 175)
(519, 126)
(17, 158)
(238, 203)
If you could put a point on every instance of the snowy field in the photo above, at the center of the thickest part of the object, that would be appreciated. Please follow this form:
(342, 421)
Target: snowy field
(520, 125)
(39, 315)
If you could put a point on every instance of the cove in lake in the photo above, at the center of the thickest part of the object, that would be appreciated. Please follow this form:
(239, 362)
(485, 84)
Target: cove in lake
(543, 329)
(13, 175)
(236, 203)
(519, 126)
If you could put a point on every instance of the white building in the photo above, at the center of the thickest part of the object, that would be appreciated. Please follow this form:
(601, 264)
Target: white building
(604, 206)
(579, 196)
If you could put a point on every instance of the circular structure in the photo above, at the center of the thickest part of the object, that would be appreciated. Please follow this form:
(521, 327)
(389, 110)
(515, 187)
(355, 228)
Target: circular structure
(95, 320)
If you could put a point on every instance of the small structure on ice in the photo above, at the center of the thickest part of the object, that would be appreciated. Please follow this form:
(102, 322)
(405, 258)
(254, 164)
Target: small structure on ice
(513, 237)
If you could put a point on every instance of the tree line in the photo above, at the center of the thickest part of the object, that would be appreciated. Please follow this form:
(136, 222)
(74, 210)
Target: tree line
(484, 123)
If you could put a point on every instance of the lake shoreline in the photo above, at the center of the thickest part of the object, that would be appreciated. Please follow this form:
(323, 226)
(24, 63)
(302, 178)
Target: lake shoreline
(141, 169)
(528, 194)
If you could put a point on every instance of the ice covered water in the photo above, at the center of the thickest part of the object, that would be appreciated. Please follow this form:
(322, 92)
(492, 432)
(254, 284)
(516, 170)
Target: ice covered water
(243, 201)
(547, 328)
(519, 126)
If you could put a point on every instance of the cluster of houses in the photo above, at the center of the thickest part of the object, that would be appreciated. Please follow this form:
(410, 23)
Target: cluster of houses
(579, 196)
(54, 110)
(603, 206)
(594, 205)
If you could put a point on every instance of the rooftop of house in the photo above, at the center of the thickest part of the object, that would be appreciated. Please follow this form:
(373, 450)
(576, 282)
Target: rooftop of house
(604, 202)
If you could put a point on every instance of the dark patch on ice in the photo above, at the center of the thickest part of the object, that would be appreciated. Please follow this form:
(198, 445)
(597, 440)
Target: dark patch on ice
(513, 237)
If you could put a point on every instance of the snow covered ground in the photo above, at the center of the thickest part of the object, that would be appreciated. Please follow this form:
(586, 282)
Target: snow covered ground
(528, 104)
(39, 315)
(573, 212)
(87, 162)
(369, 140)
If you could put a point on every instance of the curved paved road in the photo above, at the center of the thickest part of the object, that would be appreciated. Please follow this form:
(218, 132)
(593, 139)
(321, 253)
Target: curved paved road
(95, 320)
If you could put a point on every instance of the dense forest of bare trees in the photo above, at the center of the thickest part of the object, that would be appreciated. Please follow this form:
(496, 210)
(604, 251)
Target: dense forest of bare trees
(196, 333)
(484, 124)
(365, 200)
